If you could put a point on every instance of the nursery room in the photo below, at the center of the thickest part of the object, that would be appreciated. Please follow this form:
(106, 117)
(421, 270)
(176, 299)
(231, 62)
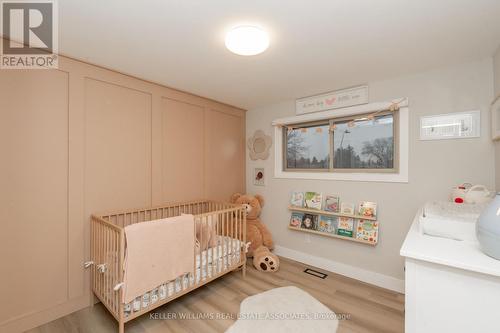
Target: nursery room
(249, 166)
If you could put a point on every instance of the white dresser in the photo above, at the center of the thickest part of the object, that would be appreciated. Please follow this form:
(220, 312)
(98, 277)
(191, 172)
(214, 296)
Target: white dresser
(450, 286)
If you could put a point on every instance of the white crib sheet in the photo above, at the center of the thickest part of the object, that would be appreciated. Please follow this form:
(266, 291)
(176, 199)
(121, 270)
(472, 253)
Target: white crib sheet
(218, 251)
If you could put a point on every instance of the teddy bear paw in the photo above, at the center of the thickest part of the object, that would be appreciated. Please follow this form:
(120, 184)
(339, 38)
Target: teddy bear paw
(267, 263)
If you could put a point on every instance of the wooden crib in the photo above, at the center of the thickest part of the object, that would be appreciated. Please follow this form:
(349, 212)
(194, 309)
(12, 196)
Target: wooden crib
(108, 253)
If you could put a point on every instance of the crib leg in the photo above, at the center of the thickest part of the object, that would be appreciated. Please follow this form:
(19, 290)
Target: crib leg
(121, 327)
(93, 300)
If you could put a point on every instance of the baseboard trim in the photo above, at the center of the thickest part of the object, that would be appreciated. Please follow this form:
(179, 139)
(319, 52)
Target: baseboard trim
(377, 279)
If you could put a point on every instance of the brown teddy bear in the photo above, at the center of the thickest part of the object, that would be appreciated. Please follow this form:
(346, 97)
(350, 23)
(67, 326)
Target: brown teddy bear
(257, 232)
(264, 260)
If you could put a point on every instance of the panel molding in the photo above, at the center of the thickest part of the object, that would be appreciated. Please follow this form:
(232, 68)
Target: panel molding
(79, 280)
(24, 316)
(147, 139)
(211, 191)
(77, 286)
(187, 109)
(228, 112)
(118, 84)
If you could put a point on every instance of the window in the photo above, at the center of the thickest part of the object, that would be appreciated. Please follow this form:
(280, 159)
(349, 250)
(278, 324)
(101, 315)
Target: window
(353, 144)
(308, 147)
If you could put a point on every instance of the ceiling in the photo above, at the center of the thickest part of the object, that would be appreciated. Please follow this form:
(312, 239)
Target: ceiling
(316, 46)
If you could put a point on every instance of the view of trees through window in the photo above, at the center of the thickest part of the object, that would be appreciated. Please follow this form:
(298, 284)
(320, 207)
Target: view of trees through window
(369, 144)
(361, 144)
(309, 148)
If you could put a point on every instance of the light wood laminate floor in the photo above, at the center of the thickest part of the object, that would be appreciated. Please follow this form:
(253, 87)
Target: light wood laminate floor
(371, 309)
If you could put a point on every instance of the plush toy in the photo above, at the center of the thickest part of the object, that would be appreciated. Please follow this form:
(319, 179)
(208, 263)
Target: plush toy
(264, 260)
(257, 232)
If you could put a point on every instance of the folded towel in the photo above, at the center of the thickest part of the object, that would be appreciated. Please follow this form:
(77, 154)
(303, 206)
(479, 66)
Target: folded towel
(450, 220)
(453, 211)
(448, 228)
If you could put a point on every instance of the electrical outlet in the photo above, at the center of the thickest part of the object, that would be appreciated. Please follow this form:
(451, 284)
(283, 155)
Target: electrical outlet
(307, 238)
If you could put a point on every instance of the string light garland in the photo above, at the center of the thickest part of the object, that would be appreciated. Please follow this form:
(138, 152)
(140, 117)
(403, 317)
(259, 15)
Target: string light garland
(393, 107)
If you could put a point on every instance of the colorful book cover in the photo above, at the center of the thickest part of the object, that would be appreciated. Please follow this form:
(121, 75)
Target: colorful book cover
(313, 200)
(367, 231)
(296, 219)
(332, 203)
(347, 208)
(368, 209)
(326, 224)
(346, 226)
(310, 221)
(297, 199)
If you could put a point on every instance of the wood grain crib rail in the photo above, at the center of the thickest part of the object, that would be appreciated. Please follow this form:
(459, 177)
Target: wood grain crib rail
(108, 253)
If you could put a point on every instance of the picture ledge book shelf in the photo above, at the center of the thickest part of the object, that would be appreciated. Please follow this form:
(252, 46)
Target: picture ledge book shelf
(328, 213)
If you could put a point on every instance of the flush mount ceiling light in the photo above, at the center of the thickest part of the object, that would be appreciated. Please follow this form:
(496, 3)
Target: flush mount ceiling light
(247, 40)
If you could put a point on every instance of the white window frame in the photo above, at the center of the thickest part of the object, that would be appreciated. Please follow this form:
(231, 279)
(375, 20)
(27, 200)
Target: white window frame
(399, 177)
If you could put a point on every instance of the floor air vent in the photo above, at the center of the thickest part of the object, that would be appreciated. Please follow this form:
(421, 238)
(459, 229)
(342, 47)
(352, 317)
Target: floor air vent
(315, 273)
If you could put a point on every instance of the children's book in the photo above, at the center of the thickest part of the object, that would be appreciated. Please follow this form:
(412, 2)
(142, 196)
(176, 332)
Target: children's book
(332, 203)
(346, 226)
(326, 224)
(310, 221)
(367, 231)
(347, 208)
(313, 200)
(368, 209)
(296, 219)
(297, 199)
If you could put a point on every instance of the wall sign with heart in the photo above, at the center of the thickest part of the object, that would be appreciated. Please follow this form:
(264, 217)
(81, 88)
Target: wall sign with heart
(332, 100)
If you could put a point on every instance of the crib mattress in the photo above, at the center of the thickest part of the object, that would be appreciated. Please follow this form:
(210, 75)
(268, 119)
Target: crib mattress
(213, 261)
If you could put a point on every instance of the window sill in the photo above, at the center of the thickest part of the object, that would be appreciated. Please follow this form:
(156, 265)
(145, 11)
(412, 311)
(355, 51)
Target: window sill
(363, 177)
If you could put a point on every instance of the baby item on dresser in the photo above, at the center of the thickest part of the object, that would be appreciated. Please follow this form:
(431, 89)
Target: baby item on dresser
(471, 194)
(458, 192)
(478, 194)
(450, 220)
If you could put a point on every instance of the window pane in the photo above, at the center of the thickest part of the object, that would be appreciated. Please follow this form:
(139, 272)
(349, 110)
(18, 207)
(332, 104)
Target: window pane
(308, 147)
(368, 144)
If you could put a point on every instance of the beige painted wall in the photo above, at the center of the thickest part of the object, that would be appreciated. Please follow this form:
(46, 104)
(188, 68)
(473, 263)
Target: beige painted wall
(434, 166)
(81, 140)
(496, 73)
